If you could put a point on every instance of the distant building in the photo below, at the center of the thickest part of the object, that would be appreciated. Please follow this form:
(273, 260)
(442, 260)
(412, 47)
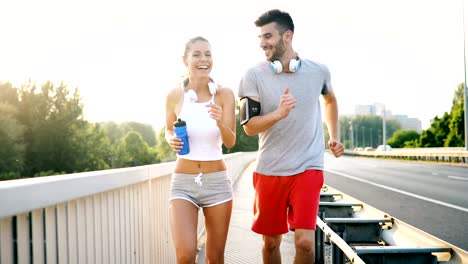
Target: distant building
(365, 110)
(375, 109)
(406, 122)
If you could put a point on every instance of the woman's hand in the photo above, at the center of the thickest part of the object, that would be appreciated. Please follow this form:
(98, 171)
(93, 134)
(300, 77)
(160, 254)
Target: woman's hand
(176, 144)
(216, 112)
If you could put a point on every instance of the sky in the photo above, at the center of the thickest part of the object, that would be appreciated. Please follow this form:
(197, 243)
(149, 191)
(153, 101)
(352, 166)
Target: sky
(125, 55)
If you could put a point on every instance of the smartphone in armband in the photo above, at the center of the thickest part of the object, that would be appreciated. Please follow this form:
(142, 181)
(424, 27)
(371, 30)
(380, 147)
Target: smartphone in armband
(248, 109)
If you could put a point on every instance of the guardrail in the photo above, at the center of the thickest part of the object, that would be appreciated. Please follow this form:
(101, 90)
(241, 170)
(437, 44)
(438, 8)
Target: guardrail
(111, 216)
(358, 233)
(447, 155)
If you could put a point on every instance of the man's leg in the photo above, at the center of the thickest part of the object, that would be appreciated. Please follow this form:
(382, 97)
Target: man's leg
(305, 246)
(271, 249)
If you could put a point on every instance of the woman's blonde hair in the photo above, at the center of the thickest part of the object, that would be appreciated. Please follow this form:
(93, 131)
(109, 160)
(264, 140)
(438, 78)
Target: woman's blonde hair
(192, 41)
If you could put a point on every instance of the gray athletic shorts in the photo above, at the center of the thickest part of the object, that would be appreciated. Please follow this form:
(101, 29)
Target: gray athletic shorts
(203, 190)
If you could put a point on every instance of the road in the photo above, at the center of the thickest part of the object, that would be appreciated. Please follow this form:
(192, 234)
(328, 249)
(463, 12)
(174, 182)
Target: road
(428, 196)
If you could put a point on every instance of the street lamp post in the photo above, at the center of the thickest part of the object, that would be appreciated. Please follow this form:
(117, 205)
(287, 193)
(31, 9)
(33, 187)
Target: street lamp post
(351, 137)
(464, 68)
(363, 137)
(384, 132)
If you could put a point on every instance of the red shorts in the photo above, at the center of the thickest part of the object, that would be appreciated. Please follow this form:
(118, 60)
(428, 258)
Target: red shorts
(280, 200)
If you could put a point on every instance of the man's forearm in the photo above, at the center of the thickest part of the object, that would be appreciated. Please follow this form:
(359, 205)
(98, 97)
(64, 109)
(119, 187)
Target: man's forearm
(258, 124)
(331, 115)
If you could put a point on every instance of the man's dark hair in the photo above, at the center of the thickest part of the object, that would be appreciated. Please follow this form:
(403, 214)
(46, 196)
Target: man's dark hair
(283, 20)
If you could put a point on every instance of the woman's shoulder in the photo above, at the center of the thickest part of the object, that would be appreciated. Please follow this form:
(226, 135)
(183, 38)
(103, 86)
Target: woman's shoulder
(223, 90)
(175, 93)
(225, 94)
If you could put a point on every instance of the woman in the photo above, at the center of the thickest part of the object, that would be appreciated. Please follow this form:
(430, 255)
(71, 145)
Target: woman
(199, 179)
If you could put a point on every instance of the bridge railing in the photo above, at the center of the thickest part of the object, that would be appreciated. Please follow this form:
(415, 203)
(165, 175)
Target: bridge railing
(111, 216)
(355, 232)
(448, 155)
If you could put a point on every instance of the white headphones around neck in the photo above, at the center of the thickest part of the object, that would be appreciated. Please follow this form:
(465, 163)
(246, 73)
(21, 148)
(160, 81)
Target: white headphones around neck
(277, 67)
(213, 87)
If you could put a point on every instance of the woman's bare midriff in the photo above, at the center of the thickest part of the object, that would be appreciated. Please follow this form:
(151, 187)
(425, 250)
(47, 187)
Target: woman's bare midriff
(196, 166)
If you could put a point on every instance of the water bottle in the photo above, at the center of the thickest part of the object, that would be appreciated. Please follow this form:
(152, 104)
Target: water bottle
(180, 129)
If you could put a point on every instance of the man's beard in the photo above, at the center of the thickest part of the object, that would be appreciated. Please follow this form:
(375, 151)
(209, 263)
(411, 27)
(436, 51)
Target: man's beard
(279, 50)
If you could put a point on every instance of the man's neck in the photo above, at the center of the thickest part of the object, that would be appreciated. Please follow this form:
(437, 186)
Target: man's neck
(287, 57)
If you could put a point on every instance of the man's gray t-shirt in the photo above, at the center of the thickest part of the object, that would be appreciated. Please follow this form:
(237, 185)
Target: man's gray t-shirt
(295, 143)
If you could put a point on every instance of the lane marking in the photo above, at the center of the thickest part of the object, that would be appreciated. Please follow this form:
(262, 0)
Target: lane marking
(458, 178)
(463, 209)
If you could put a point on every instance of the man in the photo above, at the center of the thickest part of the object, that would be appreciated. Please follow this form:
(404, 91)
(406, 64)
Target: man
(280, 103)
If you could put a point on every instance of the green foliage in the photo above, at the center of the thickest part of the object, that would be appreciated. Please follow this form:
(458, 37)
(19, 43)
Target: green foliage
(11, 142)
(163, 150)
(243, 142)
(401, 137)
(456, 136)
(42, 132)
(12, 147)
(447, 131)
(366, 130)
(8, 94)
(145, 130)
(115, 131)
(436, 135)
(49, 173)
(134, 151)
(53, 119)
(4, 176)
(93, 147)
(411, 144)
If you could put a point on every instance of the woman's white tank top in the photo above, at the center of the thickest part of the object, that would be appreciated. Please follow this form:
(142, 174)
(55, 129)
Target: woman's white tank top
(203, 134)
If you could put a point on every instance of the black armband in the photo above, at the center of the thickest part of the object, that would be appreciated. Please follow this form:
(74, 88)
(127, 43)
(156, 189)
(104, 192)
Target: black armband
(248, 109)
(324, 89)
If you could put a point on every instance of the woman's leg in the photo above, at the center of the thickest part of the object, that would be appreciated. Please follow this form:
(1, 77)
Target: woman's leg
(217, 220)
(184, 217)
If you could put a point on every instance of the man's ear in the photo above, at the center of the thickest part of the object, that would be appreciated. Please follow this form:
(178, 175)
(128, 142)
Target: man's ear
(288, 35)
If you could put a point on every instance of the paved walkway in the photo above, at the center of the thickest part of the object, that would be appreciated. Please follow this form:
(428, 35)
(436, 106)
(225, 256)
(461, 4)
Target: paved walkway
(243, 245)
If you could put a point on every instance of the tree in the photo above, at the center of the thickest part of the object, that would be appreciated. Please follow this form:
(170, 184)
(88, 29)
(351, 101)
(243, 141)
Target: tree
(52, 119)
(11, 143)
(113, 132)
(8, 94)
(134, 151)
(367, 130)
(163, 150)
(116, 132)
(56, 137)
(447, 131)
(93, 148)
(145, 130)
(456, 136)
(243, 142)
(400, 137)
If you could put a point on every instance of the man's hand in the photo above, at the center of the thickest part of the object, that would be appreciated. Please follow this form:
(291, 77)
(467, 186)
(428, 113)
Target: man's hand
(336, 147)
(287, 103)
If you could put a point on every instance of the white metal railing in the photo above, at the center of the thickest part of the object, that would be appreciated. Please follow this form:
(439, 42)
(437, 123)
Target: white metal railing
(450, 154)
(111, 216)
(400, 234)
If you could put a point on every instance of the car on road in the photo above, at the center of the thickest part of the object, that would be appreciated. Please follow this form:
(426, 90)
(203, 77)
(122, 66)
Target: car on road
(384, 148)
